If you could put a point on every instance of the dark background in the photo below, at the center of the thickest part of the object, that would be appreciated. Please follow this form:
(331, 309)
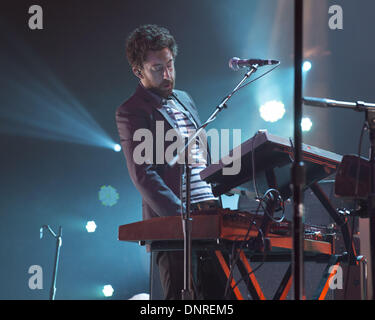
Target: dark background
(60, 87)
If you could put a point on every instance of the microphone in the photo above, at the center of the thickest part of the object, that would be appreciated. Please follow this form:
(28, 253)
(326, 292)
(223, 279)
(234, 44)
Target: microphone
(318, 102)
(237, 63)
(328, 103)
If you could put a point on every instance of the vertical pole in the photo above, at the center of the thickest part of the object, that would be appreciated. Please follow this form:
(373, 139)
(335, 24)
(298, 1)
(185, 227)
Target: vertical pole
(56, 265)
(187, 292)
(370, 117)
(371, 291)
(298, 170)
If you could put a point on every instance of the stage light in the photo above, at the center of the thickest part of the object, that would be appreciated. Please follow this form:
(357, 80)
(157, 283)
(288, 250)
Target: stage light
(108, 196)
(140, 296)
(56, 114)
(108, 290)
(91, 226)
(306, 124)
(117, 147)
(306, 66)
(272, 111)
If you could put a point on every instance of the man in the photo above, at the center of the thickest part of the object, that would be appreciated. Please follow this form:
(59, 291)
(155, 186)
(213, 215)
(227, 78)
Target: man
(151, 51)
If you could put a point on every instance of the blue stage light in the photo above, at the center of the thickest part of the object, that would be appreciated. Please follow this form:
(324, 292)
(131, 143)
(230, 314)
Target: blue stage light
(91, 226)
(39, 105)
(108, 290)
(117, 147)
(108, 196)
(306, 66)
(272, 111)
(306, 124)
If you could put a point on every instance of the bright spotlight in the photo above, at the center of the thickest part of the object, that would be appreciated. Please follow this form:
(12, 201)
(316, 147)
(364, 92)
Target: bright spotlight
(272, 111)
(56, 115)
(306, 124)
(108, 290)
(306, 66)
(91, 226)
(117, 147)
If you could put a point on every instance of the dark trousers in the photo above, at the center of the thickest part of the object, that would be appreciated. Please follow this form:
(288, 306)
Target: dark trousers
(208, 279)
(171, 269)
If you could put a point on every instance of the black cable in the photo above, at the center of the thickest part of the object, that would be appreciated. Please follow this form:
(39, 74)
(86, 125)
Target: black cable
(263, 199)
(234, 258)
(244, 85)
(350, 256)
(279, 200)
(251, 81)
(258, 266)
(262, 75)
(364, 128)
(253, 165)
(234, 261)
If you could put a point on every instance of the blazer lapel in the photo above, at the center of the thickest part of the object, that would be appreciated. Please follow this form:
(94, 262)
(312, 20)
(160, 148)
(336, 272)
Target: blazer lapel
(154, 103)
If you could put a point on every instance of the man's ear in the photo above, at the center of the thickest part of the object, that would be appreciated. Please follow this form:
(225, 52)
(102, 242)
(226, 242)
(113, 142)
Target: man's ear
(137, 72)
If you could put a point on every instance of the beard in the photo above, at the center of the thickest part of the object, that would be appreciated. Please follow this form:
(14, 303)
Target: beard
(165, 89)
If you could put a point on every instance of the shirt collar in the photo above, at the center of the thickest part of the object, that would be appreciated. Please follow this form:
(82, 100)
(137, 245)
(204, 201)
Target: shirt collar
(158, 98)
(161, 101)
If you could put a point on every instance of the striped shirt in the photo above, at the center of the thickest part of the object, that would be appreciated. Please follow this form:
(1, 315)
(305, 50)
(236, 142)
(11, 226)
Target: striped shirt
(199, 189)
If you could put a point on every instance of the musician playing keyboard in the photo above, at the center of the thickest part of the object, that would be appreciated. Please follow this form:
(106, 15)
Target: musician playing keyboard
(151, 52)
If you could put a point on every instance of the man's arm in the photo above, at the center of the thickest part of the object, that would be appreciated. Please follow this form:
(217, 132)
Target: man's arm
(144, 176)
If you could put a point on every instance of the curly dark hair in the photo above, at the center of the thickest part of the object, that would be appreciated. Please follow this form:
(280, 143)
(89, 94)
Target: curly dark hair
(145, 38)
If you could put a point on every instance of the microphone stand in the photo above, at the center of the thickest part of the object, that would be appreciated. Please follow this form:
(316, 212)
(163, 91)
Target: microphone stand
(298, 168)
(57, 256)
(369, 109)
(187, 292)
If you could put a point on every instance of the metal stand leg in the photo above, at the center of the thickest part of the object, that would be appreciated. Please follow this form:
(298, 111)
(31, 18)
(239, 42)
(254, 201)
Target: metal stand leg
(251, 282)
(226, 270)
(285, 285)
(328, 273)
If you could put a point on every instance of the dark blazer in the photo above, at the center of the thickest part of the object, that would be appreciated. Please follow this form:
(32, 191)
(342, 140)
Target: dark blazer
(158, 184)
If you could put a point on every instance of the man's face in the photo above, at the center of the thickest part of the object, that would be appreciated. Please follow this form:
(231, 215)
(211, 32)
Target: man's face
(158, 72)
